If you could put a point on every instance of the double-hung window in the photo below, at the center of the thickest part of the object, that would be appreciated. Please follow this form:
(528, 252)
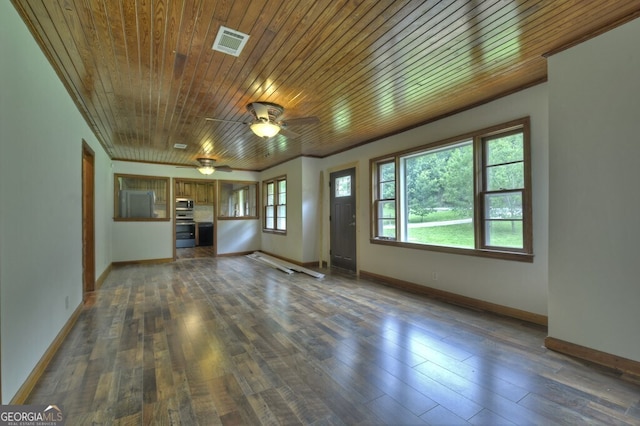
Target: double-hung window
(275, 204)
(503, 192)
(385, 205)
(469, 195)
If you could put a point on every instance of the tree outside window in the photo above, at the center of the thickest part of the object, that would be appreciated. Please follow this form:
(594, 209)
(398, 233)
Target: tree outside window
(439, 194)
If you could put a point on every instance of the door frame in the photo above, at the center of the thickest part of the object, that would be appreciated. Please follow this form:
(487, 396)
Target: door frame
(88, 220)
(353, 165)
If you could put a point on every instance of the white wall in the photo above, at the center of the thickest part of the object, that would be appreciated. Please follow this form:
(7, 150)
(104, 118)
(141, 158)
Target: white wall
(301, 243)
(41, 134)
(311, 208)
(594, 273)
(289, 245)
(514, 284)
(238, 236)
(103, 209)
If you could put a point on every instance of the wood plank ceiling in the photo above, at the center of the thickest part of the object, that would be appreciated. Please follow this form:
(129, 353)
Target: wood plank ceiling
(144, 75)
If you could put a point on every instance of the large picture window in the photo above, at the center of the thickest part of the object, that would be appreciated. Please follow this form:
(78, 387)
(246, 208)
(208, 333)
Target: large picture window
(275, 204)
(466, 195)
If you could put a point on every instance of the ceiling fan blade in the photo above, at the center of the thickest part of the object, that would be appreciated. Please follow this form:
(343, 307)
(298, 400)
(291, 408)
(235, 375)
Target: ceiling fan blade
(225, 121)
(207, 162)
(301, 121)
(224, 169)
(288, 133)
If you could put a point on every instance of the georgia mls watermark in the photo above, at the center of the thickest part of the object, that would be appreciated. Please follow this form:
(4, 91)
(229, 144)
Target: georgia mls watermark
(31, 415)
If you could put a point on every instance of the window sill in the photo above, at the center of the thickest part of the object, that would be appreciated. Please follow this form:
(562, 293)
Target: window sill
(492, 254)
(238, 217)
(141, 219)
(274, 231)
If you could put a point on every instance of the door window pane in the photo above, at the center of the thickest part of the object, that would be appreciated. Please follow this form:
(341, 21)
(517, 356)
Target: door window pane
(343, 186)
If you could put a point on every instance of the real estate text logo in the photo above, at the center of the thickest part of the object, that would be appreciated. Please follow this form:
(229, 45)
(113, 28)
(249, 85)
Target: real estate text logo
(31, 415)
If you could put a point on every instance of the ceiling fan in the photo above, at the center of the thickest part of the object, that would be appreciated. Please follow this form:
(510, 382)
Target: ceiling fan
(206, 166)
(266, 122)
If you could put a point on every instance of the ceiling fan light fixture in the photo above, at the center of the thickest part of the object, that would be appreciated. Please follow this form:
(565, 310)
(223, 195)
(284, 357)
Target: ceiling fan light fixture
(206, 170)
(206, 166)
(265, 129)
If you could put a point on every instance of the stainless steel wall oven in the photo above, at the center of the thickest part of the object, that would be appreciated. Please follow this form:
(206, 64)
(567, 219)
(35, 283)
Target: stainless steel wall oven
(185, 223)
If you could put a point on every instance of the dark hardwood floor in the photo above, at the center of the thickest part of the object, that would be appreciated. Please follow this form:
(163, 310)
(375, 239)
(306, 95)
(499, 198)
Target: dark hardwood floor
(194, 252)
(231, 341)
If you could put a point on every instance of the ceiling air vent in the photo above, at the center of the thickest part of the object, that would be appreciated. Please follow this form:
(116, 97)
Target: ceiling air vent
(180, 145)
(230, 41)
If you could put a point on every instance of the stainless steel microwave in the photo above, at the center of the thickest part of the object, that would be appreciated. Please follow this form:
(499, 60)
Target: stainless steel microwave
(184, 204)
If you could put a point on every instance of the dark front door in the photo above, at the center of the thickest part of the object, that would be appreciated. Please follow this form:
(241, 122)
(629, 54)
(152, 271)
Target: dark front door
(343, 219)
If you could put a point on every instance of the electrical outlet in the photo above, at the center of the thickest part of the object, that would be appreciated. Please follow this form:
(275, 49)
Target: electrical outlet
(434, 276)
(66, 302)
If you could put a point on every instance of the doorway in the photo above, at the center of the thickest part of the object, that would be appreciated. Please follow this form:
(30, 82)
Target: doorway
(88, 224)
(343, 219)
(194, 218)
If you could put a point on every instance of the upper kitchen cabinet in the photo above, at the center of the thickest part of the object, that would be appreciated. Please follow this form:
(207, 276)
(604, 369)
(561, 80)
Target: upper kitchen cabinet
(200, 191)
(205, 193)
(184, 188)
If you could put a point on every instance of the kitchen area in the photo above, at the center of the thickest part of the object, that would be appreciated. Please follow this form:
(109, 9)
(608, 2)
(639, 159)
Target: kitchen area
(194, 218)
(205, 210)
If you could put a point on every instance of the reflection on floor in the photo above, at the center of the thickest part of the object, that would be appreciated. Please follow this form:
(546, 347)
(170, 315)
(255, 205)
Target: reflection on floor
(194, 252)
